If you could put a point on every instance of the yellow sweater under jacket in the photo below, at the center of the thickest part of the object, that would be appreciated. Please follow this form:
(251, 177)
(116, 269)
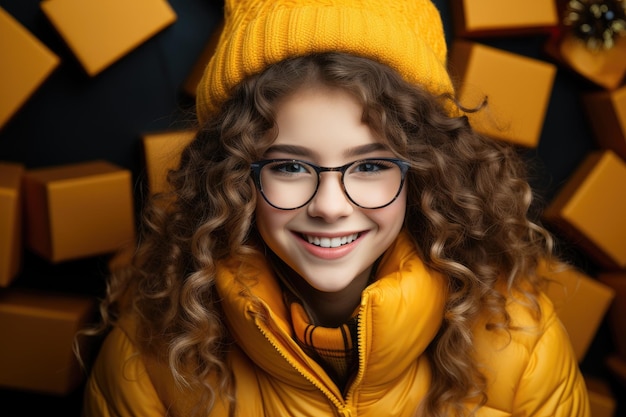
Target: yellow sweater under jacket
(531, 373)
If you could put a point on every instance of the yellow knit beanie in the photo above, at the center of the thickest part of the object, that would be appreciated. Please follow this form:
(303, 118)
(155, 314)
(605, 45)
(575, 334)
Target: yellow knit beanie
(407, 35)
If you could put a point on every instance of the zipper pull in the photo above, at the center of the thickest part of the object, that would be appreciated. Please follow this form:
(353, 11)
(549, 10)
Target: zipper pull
(346, 412)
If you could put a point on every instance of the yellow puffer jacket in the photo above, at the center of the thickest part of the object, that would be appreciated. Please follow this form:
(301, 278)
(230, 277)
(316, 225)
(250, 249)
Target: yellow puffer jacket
(532, 373)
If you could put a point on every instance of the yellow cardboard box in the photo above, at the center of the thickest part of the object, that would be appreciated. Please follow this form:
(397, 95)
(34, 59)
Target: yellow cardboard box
(603, 68)
(601, 398)
(78, 210)
(100, 32)
(473, 18)
(606, 111)
(37, 331)
(518, 90)
(10, 221)
(26, 64)
(162, 153)
(581, 303)
(590, 208)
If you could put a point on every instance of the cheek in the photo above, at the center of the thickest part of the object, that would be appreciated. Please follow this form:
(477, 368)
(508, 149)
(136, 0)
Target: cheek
(262, 214)
(393, 215)
(269, 220)
(389, 221)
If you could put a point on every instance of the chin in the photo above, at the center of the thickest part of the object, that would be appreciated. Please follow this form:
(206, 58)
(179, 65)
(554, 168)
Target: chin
(334, 281)
(329, 288)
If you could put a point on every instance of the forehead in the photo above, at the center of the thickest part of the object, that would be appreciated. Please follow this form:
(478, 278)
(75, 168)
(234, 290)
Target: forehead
(323, 122)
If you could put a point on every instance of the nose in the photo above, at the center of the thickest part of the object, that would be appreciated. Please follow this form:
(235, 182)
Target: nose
(330, 202)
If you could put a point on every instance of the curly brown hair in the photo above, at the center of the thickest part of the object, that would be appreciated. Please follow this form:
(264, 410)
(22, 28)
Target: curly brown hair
(467, 212)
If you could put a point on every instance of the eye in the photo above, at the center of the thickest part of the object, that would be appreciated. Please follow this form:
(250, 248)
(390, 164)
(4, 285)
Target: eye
(371, 166)
(290, 167)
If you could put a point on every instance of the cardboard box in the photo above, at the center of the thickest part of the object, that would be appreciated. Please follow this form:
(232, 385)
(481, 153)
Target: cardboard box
(37, 331)
(474, 18)
(10, 221)
(79, 210)
(100, 32)
(602, 68)
(590, 208)
(161, 154)
(581, 303)
(617, 312)
(600, 397)
(26, 64)
(606, 112)
(518, 90)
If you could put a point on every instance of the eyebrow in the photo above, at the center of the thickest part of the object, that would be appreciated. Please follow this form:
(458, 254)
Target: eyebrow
(303, 151)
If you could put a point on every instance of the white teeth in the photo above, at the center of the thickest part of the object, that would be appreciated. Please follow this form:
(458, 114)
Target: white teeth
(327, 242)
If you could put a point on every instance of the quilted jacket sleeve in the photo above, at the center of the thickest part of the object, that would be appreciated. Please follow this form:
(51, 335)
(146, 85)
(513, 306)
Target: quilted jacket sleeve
(123, 384)
(119, 385)
(552, 384)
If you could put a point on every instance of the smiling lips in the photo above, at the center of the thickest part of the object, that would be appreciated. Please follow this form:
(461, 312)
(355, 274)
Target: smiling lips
(330, 248)
(331, 242)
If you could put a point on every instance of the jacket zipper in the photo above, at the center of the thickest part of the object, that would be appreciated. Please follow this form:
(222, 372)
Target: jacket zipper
(361, 347)
(336, 401)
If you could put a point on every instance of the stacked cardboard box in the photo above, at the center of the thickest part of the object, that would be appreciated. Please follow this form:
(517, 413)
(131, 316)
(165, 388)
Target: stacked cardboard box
(26, 64)
(591, 212)
(102, 32)
(517, 88)
(38, 330)
(78, 210)
(69, 212)
(569, 288)
(480, 18)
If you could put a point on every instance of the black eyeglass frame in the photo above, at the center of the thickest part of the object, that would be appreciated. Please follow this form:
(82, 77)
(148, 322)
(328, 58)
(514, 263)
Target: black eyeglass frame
(256, 167)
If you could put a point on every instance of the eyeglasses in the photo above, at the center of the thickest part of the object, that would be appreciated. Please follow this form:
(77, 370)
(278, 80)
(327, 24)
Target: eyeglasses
(289, 184)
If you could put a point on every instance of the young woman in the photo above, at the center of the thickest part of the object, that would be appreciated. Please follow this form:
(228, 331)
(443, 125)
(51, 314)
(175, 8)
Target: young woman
(338, 241)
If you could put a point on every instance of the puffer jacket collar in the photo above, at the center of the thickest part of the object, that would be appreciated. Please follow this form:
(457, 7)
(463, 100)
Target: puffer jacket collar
(400, 314)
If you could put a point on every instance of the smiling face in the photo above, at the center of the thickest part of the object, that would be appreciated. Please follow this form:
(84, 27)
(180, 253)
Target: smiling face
(330, 242)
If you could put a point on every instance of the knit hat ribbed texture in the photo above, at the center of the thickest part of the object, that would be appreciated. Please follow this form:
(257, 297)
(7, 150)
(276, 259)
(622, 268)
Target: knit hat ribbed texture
(407, 35)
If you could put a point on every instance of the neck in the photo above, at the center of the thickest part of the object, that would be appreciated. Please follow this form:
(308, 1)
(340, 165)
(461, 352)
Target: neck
(331, 309)
(328, 309)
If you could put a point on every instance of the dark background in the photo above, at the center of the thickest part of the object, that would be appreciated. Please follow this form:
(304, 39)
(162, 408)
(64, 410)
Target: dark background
(76, 118)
